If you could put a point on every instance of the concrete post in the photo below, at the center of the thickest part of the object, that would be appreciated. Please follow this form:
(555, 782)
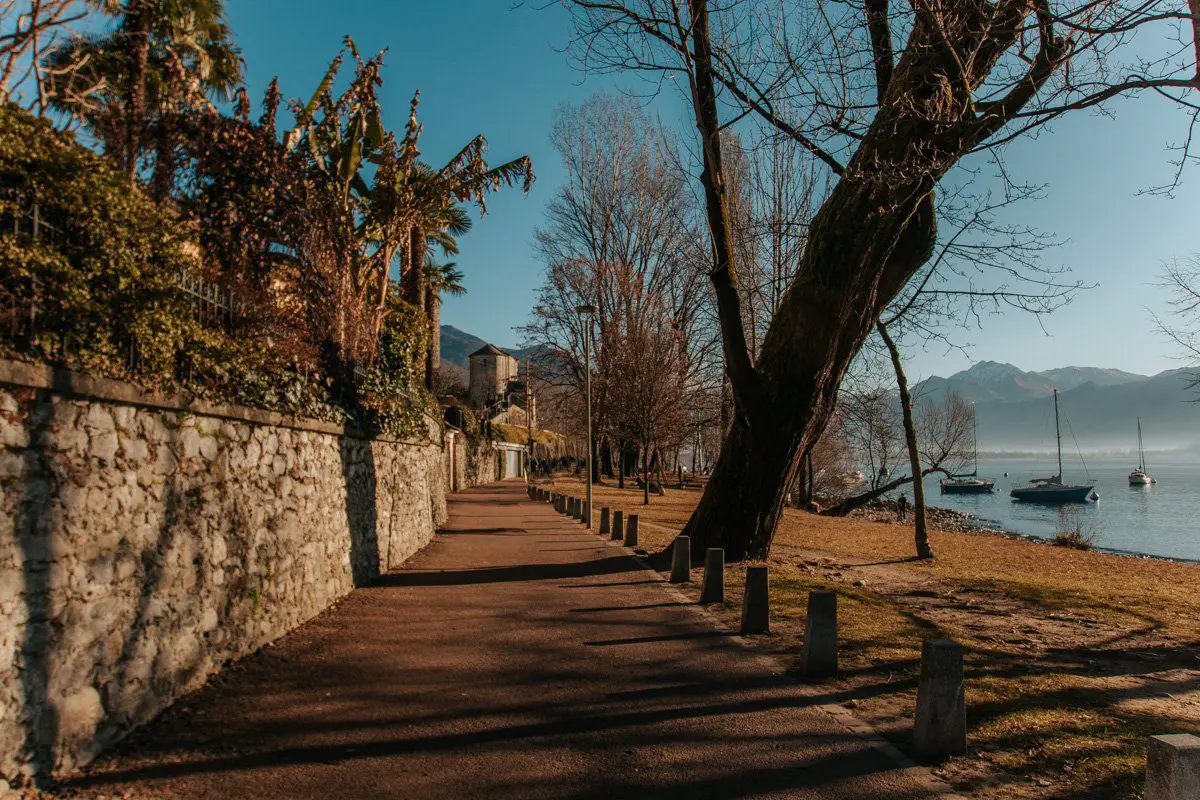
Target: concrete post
(821, 636)
(1173, 767)
(631, 531)
(756, 606)
(605, 527)
(713, 590)
(681, 560)
(618, 531)
(940, 725)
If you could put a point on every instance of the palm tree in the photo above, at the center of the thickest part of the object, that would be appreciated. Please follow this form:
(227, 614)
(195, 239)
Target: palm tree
(440, 279)
(162, 57)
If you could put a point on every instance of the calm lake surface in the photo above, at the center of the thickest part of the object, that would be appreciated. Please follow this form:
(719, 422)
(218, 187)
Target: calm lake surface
(1160, 520)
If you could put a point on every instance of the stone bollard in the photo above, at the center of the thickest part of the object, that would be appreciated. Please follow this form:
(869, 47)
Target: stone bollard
(681, 560)
(756, 606)
(1173, 767)
(940, 725)
(605, 527)
(714, 576)
(631, 531)
(618, 530)
(821, 636)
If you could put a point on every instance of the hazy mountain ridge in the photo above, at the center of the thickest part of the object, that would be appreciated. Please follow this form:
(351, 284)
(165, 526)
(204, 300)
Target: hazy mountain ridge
(1100, 407)
(990, 381)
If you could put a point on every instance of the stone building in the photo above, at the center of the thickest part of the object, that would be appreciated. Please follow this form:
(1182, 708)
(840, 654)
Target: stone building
(492, 371)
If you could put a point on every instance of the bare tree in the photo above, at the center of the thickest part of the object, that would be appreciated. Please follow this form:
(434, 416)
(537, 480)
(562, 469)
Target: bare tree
(29, 30)
(878, 435)
(619, 235)
(1182, 280)
(889, 122)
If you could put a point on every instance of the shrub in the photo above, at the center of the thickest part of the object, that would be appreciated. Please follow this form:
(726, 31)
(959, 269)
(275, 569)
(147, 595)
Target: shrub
(98, 290)
(1074, 531)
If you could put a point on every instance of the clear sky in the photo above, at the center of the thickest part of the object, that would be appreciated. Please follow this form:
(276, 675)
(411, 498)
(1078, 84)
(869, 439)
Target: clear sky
(484, 66)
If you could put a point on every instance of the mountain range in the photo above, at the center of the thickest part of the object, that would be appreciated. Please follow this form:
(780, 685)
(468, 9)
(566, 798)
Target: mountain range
(1100, 407)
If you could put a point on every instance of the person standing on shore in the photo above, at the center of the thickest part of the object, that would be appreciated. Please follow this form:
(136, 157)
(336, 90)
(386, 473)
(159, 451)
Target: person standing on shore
(902, 508)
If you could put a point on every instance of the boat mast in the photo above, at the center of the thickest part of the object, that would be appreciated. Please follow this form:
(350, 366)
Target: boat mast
(1058, 435)
(975, 437)
(1141, 451)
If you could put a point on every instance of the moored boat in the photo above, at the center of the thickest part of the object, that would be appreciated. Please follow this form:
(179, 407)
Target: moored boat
(969, 483)
(1052, 489)
(1139, 476)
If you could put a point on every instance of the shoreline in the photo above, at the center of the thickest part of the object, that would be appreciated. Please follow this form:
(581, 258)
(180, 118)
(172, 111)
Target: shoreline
(954, 521)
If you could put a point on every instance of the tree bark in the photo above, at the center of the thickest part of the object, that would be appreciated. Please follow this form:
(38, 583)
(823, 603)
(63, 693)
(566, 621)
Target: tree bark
(848, 273)
(858, 501)
(920, 532)
(433, 358)
(874, 230)
(138, 31)
(414, 278)
(646, 474)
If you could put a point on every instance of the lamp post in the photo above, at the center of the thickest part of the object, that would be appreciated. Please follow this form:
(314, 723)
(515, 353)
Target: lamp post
(587, 312)
(528, 424)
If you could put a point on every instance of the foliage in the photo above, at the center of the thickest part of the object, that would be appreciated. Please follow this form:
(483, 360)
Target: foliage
(106, 277)
(1074, 531)
(99, 291)
(391, 394)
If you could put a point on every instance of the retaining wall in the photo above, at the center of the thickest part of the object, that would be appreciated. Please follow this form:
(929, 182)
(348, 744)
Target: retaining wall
(147, 541)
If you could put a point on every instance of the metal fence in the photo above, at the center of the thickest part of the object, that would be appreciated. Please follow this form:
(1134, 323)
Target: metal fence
(210, 304)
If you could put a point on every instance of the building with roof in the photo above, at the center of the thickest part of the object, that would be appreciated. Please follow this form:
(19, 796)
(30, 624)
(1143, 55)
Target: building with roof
(492, 372)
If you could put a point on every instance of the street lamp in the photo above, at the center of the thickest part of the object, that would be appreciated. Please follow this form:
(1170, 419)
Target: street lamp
(587, 311)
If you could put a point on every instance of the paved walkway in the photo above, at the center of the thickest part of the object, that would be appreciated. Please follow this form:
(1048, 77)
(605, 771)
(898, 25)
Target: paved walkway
(518, 656)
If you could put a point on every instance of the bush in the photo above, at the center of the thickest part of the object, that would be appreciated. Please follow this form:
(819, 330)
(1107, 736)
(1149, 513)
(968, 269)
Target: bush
(1074, 531)
(98, 290)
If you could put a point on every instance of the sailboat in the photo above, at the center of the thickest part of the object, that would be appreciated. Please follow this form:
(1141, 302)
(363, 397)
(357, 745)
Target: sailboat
(1052, 489)
(1139, 477)
(969, 483)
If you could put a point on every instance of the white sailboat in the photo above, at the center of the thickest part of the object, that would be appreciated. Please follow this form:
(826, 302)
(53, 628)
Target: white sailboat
(1139, 477)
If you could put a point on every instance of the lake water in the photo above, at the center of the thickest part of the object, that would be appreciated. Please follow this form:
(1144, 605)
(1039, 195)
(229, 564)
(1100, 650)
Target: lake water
(1160, 520)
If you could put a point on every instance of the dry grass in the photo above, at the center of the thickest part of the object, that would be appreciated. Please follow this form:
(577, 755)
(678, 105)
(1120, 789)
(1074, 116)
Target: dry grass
(1074, 657)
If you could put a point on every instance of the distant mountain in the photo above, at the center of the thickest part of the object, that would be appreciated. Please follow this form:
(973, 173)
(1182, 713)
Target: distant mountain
(1100, 407)
(990, 381)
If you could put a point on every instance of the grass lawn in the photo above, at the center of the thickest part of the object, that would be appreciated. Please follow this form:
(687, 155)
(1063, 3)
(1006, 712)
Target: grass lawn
(1073, 658)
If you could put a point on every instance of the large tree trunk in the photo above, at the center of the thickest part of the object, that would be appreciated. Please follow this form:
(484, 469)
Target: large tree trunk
(848, 272)
(433, 358)
(921, 534)
(414, 279)
(875, 229)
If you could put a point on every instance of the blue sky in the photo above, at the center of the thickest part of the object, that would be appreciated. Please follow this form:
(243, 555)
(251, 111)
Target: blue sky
(485, 67)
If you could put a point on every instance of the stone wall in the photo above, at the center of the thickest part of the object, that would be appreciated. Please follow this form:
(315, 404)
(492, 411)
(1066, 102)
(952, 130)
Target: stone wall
(146, 542)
